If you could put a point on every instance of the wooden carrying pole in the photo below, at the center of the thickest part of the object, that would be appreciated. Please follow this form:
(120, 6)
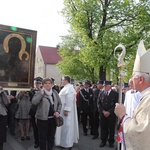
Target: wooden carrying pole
(120, 65)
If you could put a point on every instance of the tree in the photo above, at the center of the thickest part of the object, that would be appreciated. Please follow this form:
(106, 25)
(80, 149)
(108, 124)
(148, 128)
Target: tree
(96, 28)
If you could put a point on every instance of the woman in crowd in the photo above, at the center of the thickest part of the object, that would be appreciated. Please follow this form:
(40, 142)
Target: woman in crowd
(23, 114)
(4, 101)
(49, 107)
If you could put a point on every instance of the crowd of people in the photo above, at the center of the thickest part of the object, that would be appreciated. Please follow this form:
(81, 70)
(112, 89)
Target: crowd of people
(94, 105)
(39, 108)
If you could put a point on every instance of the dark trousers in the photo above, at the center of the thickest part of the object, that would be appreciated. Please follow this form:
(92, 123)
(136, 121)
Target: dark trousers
(1, 146)
(84, 121)
(78, 114)
(108, 128)
(3, 129)
(35, 130)
(47, 129)
(11, 119)
(96, 123)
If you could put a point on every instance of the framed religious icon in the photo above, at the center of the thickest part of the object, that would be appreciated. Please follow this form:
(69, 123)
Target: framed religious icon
(17, 57)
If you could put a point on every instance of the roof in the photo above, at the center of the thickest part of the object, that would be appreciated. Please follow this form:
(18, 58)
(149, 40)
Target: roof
(50, 55)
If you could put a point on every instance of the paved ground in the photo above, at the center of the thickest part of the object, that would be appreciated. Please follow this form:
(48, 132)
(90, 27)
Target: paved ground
(85, 143)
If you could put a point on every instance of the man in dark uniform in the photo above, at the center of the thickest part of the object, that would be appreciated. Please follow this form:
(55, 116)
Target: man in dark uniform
(96, 112)
(124, 90)
(86, 107)
(106, 104)
(12, 109)
(38, 85)
(55, 87)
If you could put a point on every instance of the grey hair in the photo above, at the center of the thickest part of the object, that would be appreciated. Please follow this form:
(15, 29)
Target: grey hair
(145, 75)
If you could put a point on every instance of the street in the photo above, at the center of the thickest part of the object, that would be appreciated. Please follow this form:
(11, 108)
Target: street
(85, 142)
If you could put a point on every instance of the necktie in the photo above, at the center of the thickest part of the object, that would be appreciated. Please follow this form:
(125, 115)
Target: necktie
(107, 93)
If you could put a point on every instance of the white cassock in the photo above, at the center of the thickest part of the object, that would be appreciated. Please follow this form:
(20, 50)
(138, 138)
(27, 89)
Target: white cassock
(132, 100)
(68, 134)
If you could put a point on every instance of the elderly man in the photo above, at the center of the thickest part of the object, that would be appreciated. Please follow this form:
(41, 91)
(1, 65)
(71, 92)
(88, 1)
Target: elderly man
(136, 129)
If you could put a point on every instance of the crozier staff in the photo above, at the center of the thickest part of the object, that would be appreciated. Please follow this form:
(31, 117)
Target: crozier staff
(136, 129)
(120, 65)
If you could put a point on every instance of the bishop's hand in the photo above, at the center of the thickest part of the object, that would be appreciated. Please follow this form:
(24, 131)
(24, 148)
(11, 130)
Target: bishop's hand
(120, 110)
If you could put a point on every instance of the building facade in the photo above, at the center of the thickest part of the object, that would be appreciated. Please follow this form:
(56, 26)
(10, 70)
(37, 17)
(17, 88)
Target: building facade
(45, 63)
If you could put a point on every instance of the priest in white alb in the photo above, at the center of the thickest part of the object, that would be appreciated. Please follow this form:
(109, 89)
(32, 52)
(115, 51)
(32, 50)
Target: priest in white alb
(68, 134)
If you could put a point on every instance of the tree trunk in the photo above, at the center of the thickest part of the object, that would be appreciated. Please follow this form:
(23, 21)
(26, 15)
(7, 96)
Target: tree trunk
(102, 73)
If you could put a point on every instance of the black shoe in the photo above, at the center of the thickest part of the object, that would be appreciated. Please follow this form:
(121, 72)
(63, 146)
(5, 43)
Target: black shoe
(28, 138)
(69, 148)
(85, 134)
(111, 145)
(91, 133)
(36, 145)
(12, 133)
(102, 144)
(94, 137)
(22, 138)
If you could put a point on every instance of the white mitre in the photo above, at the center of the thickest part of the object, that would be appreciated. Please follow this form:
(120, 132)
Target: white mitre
(142, 60)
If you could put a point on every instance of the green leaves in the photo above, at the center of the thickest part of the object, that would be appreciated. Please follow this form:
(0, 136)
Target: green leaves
(96, 28)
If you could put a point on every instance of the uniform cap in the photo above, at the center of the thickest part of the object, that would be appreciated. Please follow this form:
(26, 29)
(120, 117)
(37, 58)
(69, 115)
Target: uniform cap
(100, 82)
(107, 82)
(38, 80)
(126, 85)
(87, 82)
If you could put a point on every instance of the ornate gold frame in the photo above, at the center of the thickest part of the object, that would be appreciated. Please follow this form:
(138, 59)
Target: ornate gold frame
(17, 57)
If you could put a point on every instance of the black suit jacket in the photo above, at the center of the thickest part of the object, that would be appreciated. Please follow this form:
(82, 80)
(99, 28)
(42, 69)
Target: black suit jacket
(56, 88)
(86, 101)
(13, 106)
(106, 102)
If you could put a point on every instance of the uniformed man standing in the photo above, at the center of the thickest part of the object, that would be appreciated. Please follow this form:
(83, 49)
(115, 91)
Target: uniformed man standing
(12, 109)
(86, 107)
(38, 85)
(96, 112)
(106, 104)
(55, 87)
